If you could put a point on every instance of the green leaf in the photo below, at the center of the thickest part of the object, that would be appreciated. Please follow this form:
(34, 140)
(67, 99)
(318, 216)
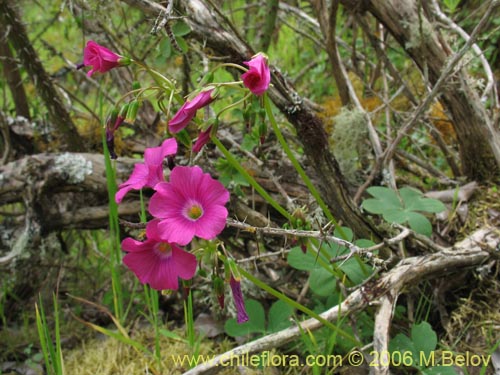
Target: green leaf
(256, 321)
(374, 206)
(415, 201)
(364, 243)
(355, 271)
(424, 338)
(322, 282)
(180, 28)
(279, 315)
(347, 232)
(429, 205)
(386, 195)
(401, 344)
(439, 370)
(249, 142)
(182, 44)
(419, 223)
(300, 261)
(395, 216)
(165, 50)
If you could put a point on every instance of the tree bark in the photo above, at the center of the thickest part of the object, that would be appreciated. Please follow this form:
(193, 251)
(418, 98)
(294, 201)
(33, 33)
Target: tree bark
(478, 140)
(13, 79)
(18, 36)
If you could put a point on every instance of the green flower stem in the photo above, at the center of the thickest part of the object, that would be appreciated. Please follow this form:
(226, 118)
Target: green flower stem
(295, 163)
(231, 159)
(235, 104)
(298, 306)
(229, 65)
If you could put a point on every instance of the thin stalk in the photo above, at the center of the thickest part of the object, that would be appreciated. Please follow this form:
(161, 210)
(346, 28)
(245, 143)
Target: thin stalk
(232, 160)
(294, 161)
(114, 228)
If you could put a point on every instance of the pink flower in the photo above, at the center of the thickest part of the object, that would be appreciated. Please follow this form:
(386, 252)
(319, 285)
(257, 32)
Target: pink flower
(258, 77)
(100, 58)
(150, 172)
(188, 110)
(241, 313)
(156, 262)
(191, 204)
(202, 140)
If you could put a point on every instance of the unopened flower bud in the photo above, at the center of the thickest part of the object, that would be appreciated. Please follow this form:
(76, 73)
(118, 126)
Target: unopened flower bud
(219, 290)
(132, 111)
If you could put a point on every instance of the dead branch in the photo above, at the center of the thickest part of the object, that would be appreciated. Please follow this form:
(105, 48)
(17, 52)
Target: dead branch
(56, 191)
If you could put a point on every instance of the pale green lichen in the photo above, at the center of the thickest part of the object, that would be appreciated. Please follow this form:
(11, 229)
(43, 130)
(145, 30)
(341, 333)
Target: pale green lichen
(348, 139)
(74, 167)
(420, 31)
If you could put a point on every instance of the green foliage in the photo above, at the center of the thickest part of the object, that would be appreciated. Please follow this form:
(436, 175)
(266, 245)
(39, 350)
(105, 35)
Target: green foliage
(401, 208)
(451, 5)
(421, 345)
(230, 176)
(323, 276)
(165, 48)
(51, 346)
(278, 319)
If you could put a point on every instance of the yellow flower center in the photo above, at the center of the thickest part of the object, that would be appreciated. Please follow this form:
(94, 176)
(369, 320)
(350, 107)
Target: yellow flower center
(194, 212)
(164, 248)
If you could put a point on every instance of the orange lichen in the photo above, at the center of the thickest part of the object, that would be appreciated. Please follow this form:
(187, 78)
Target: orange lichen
(442, 122)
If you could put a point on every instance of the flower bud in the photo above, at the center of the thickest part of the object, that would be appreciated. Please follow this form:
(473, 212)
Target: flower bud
(132, 111)
(219, 290)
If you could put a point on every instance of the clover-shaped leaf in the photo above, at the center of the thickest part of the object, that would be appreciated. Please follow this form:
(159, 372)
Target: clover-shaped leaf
(322, 278)
(255, 324)
(401, 208)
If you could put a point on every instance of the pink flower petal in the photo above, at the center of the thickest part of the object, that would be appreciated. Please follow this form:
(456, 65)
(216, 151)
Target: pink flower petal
(165, 275)
(165, 203)
(155, 155)
(180, 120)
(179, 230)
(100, 58)
(241, 313)
(188, 110)
(212, 222)
(131, 245)
(258, 77)
(137, 180)
(189, 186)
(213, 192)
(202, 140)
(142, 264)
(157, 263)
(199, 101)
(185, 263)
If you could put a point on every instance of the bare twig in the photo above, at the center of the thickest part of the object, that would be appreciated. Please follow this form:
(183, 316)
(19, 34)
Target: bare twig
(490, 91)
(447, 71)
(383, 318)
